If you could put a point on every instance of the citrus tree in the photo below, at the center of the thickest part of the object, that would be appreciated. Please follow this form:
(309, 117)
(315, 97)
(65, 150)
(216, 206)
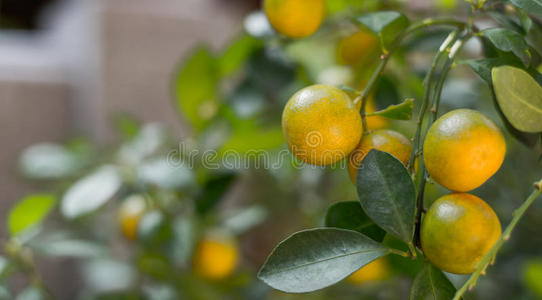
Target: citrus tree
(460, 150)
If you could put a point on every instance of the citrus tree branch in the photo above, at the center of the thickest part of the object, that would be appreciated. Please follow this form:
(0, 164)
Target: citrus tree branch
(364, 95)
(489, 258)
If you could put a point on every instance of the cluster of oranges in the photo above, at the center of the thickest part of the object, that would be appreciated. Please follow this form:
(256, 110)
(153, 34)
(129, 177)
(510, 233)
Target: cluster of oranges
(462, 149)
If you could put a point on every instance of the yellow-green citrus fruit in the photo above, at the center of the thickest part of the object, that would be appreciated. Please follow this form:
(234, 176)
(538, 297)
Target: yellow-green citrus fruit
(463, 149)
(386, 140)
(357, 48)
(376, 270)
(215, 258)
(130, 213)
(295, 18)
(321, 125)
(457, 231)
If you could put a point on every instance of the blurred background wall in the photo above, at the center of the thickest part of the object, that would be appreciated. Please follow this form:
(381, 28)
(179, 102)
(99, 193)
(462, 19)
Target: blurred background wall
(68, 66)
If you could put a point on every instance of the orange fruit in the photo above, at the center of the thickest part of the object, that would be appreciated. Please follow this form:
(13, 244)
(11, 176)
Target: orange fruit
(130, 212)
(321, 125)
(463, 149)
(215, 257)
(386, 140)
(457, 231)
(357, 48)
(374, 271)
(295, 18)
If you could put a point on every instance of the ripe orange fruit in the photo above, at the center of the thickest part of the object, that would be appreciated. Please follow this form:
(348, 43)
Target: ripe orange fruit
(321, 125)
(463, 149)
(215, 257)
(130, 213)
(457, 231)
(374, 271)
(295, 18)
(357, 48)
(387, 140)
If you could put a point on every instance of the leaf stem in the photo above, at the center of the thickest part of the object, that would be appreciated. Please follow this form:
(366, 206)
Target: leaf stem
(489, 258)
(400, 253)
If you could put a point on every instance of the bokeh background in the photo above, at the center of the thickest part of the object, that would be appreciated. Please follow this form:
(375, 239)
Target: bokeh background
(95, 82)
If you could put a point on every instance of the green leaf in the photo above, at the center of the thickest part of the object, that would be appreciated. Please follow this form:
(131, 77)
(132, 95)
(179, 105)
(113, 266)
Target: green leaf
(378, 21)
(195, 88)
(240, 221)
(386, 24)
(165, 174)
(91, 192)
(236, 54)
(48, 161)
(148, 141)
(529, 6)
(314, 259)
(519, 96)
(401, 111)
(507, 21)
(30, 212)
(483, 66)
(387, 194)
(250, 139)
(431, 284)
(349, 215)
(213, 191)
(509, 40)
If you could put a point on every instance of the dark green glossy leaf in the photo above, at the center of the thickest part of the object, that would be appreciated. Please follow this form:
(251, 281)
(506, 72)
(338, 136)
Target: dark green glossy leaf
(387, 194)
(213, 190)
(402, 111)
(30, 212)
(314, 259)
(509, 41)
(507, 21)
(349, 215)
(529, 6)
(91, 192)
(431, 284)
(195, 88)
(386, 24)
(520, 98)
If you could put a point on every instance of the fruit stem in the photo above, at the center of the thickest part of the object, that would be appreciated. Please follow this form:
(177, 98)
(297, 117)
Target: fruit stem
(364, 95)
(447, 53)
(489, 258)
(428, 82)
